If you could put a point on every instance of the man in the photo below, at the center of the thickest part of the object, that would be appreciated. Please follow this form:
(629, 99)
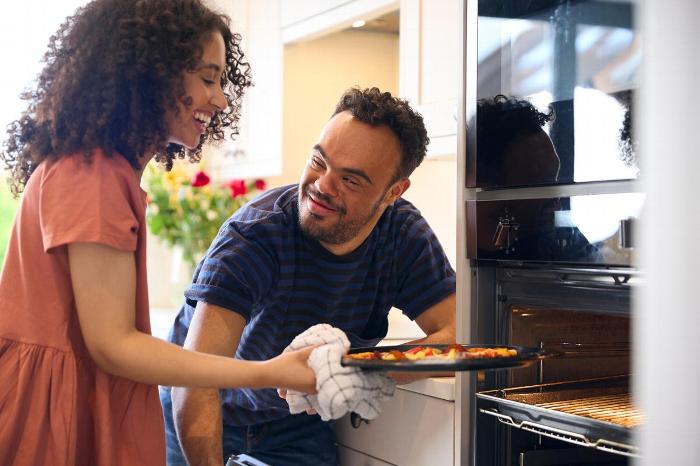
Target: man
(342, 248)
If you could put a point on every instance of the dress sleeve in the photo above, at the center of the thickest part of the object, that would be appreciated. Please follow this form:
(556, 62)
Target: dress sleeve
(87, 202)
(237, 272)
(425, 275)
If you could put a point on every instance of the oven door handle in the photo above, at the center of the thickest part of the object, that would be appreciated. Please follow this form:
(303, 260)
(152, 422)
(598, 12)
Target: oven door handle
(565, 435)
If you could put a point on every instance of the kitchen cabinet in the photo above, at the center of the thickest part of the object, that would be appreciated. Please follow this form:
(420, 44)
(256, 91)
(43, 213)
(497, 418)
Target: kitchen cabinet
(257, 151)
(306, 19)
(429, 70)
(415, 428)
(296, 11)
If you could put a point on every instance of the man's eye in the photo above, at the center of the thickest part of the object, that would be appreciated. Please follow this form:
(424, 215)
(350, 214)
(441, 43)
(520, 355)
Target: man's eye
(351, 181)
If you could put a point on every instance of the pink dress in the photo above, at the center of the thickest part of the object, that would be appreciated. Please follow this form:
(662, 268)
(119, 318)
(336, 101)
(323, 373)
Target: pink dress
(56, 406)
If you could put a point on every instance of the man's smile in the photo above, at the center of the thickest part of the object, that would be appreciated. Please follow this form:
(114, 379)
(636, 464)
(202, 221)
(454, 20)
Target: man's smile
(318, 207)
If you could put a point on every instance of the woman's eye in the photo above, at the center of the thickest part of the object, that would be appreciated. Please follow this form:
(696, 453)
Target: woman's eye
(208, 82)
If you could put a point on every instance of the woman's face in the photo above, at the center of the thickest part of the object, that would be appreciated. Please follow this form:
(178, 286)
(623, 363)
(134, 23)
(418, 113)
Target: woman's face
(203, 95)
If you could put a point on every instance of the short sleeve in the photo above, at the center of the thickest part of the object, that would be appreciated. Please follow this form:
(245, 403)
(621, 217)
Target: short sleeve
(237, 271)
(425, 276)
(88, 202)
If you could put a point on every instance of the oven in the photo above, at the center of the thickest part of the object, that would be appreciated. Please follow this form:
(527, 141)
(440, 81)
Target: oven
(554, 273)
(550, 203)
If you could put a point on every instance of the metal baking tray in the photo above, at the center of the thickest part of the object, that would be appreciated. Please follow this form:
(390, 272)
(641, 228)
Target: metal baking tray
(526, 356)
(596, 413)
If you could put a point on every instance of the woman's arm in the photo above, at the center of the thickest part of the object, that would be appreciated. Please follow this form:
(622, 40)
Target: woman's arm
(104, 285)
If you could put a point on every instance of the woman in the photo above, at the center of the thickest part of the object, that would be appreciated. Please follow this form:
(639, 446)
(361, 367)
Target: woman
(124, 81)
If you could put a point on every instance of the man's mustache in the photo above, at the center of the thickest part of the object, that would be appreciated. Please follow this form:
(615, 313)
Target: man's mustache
(323, 198)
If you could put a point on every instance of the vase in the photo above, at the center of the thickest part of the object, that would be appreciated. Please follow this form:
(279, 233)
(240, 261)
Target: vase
(180, 277)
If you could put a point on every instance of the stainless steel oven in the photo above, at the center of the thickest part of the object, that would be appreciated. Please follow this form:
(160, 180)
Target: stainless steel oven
(547, 274)
(550, 203)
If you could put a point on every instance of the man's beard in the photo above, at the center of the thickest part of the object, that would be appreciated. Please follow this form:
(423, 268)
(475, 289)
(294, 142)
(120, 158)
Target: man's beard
(342, 231)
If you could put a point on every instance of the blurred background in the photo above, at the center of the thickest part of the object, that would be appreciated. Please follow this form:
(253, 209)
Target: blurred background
(303, 54)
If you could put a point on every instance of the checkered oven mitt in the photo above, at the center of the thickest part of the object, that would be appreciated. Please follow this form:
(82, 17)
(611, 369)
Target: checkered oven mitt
(340, 389)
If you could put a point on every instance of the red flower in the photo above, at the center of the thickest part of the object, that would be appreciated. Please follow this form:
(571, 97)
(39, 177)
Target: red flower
(200, 179)
(260, 184)
(237, 188)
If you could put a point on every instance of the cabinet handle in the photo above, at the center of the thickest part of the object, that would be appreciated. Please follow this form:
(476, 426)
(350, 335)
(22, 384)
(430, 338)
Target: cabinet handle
(236, 153)
(356, 420)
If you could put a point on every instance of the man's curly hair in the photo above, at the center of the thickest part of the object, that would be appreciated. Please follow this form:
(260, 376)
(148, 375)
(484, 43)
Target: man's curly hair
(378, 108)
(111, 71)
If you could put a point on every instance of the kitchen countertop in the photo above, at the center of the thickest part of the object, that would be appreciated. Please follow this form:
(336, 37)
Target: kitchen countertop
(437, 387)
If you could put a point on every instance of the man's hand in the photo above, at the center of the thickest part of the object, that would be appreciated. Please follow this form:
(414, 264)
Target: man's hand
(282, 392)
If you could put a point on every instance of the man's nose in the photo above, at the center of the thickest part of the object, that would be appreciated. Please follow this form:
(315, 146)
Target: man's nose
(325, 184)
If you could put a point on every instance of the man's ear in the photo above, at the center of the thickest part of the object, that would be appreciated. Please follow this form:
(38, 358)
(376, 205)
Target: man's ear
(396, 190)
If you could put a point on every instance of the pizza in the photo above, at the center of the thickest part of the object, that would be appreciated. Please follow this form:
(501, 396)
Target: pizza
(419, 353)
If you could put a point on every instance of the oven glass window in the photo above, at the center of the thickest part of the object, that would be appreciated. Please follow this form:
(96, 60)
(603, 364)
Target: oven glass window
(556, 80)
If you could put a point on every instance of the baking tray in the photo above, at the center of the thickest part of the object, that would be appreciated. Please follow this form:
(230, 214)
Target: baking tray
(526, 356)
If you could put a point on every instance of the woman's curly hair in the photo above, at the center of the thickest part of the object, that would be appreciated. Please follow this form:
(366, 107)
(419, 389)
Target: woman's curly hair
(500, 121)
(110, 73)
(378, 108)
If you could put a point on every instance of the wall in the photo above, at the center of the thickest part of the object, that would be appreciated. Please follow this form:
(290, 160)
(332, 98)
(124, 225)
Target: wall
(434, 191)
(316, 73)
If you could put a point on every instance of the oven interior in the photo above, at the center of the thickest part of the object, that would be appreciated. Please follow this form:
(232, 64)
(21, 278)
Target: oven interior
(574, 408)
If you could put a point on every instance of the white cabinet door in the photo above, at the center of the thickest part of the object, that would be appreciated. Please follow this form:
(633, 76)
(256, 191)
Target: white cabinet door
(412, 430)
(307, 19)
(257, 150)
(429, 73)
(296, 11)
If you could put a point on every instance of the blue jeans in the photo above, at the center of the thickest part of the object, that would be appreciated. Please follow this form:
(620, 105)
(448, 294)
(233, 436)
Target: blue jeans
(292, 441)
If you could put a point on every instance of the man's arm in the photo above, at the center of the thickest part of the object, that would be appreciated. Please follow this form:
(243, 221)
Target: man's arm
(197, 412)
(438, 323)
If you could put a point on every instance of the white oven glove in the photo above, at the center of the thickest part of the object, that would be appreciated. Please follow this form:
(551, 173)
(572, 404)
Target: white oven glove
(340, 389)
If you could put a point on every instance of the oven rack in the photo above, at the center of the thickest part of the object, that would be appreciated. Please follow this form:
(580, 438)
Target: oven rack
(593, 413)
(566, 436)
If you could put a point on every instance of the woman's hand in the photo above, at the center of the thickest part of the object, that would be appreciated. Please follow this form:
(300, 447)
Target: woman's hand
(291, 370)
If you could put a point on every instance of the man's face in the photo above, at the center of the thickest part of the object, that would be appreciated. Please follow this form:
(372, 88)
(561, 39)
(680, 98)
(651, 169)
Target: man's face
(347, 181)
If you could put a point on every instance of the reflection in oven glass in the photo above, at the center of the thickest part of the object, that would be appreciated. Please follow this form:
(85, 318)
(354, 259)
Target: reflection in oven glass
(575, 62)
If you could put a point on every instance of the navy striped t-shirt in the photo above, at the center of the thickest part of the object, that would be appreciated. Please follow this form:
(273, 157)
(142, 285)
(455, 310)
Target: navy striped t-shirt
(282, 282)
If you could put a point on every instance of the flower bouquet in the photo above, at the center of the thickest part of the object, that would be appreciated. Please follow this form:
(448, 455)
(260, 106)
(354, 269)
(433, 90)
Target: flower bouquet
(186, 209)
